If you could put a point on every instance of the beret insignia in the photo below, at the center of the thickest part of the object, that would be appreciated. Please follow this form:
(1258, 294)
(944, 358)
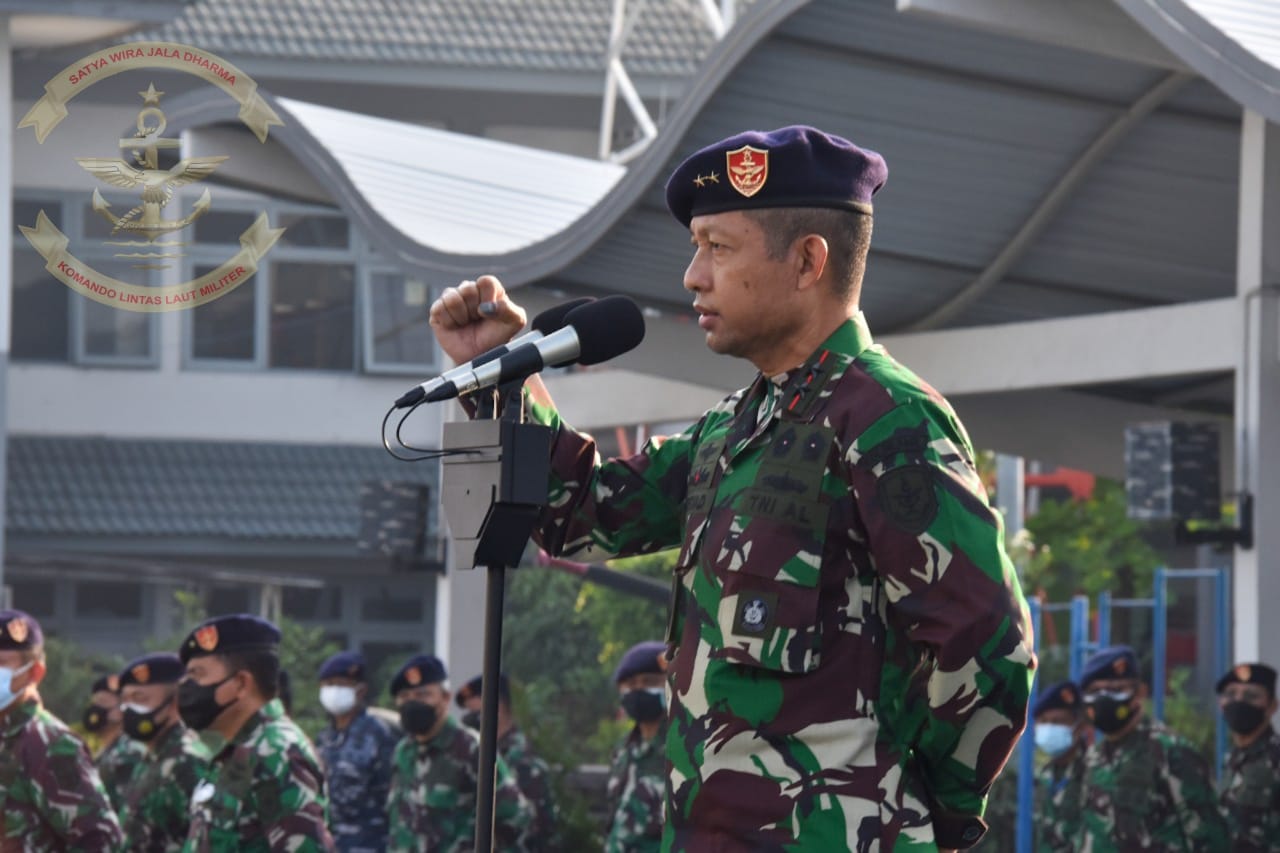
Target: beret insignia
(1120, 666)
(1068, 696)
(113, 683)
(1243, 671)
(748, 169)
(141, 673)
(18, 629)
(413, 676)
(353, 670)
(662, 661)
(207, 637)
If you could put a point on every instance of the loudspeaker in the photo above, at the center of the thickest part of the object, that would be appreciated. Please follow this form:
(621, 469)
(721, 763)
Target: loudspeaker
(1172, 471)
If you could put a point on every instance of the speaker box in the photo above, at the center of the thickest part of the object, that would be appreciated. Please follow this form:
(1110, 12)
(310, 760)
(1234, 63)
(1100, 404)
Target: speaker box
(1172, 471)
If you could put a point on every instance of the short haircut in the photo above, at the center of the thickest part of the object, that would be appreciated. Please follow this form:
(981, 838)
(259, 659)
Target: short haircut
(262, 664)
(847, 232)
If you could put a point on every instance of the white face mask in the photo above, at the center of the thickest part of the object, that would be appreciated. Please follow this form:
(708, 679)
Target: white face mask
(338, 699)
(7, 694)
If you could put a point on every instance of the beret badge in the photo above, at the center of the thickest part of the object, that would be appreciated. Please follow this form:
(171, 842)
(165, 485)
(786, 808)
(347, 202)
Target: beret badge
(18, 630)
(748, 169)
(207, 638)
(1120, 666)
(141, 673)
(413, 676)
(1068, 695)
(1244, 672)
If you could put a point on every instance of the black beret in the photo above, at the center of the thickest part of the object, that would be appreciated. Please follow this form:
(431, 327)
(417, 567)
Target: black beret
(795, 166)
(343, 665)
(19, 631)
(1113, 662)
(1063, 696)
(236, 632)
(417, 671)
(644, 657)
(158, 668)
(1250, 673)
(475, 687)
(109, 683)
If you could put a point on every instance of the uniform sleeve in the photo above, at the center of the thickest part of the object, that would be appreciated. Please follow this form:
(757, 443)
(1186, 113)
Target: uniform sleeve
(637, 818)
(512, 813)
(291, 804)
(72, 799)
(954, 694)
(623, 506)
(399, 835)
(1202, 823)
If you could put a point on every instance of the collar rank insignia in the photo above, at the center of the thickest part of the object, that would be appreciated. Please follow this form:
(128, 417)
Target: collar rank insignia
(748, 169)
(207, 637)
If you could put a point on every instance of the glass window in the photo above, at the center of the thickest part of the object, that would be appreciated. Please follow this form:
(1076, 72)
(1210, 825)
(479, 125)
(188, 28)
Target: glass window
(390, 604)
(227, 599)
(312, 316)
(27, 212)
(397, 322)
(224, 328)
(311, 604)
(40, 305)
(114, 333)
(108, 600)
(314, 230)
(223, 227)
(35, 597)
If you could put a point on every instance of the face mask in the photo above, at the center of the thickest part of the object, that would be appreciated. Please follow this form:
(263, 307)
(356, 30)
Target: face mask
(7, 696)
(1111, 712)
(644, 705)
(197, 705)
(338, 699)
(471, 720)
(1243, 718)
(417, 718)
(1054, 739)
(140, 723)
(95, 718)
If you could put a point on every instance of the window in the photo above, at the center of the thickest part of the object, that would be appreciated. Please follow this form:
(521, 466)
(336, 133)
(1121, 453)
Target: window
(108, 600)
(311, 605)
(390, 604)
(397, 331)
(112, 334)
(312, 316)
(313, 230)
(228, 599)
(225, 329)
(40, 304)
(35, 597)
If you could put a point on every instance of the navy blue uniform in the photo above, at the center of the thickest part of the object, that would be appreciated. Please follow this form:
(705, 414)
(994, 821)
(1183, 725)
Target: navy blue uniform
(358, 765)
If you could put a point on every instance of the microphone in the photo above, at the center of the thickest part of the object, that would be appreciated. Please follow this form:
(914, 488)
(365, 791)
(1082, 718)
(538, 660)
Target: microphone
(548, 321)
(591, 334)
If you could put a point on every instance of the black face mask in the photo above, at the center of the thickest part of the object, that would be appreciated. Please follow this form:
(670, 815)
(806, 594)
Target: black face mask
(417, 718)
(643, 706)
(95, 718)
(1243, 718)
(196, 703)
(143, 727)
(1111, 711)
(471, 720)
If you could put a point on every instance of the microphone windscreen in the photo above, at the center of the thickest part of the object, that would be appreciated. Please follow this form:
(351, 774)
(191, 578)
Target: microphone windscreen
(553, 319)
(606, 328)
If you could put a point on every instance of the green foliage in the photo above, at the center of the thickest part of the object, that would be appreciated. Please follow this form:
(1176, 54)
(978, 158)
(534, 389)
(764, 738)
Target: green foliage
(1187, 715)
(71, 672)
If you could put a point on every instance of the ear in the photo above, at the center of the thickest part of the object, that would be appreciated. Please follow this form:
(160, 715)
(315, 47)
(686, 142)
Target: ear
(811, 257)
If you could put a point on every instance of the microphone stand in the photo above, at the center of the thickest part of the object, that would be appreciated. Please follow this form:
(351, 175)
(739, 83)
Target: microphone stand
(493, 490)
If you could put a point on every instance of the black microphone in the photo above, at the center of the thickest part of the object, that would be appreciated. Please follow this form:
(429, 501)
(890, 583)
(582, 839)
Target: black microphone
(591, 334)
(551, 320)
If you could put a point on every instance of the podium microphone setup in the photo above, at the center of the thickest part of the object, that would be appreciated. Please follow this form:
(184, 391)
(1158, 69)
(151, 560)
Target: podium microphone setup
(496, 469)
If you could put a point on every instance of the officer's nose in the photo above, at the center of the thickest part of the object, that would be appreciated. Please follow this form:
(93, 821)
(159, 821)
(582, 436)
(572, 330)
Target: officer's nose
(697, 276)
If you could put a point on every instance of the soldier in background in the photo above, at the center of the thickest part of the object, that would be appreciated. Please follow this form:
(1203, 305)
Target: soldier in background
(1251, 778)
(1063, 733)
(533, 776)
(1145, 788)
(358, 751)
(432, 804)
(637, 774)
(51, 797)
(264, 790)
(117, 755)
(155, 815)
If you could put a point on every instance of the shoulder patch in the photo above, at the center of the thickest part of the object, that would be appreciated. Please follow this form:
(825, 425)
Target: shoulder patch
(907, 497)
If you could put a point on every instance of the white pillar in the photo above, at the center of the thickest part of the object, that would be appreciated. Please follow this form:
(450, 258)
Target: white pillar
(6, 267)
(1256, 579)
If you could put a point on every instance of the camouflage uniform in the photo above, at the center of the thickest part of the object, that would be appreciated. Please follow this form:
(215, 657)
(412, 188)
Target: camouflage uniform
(264, 791)
(156, 813)
(1251, 795)
(533, 778)
(51, 797)
(432, 804)
(853, 652)
(636, 791)
(1148, 791)
(116, 764)
(358, 764)
(1001, 815)
(1058, 805)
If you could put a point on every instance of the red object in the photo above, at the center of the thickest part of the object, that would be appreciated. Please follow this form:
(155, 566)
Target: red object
(1079, 483)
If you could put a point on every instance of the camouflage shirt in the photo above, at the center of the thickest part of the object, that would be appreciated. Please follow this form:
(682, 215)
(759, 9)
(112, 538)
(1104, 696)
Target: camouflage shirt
(1058, 805)
(264, 791)
(1149, 791)
(358, 763)
(156, 812)
(1251, 795)
(51, 797)
(432, 804)
(115, 765)
(636, 792)
(533, 778)
(853, 651)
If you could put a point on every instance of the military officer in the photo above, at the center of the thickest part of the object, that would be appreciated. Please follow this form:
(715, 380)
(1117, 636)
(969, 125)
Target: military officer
(852, 652)
(1251, 779)
(51, 797)
(433, 788)
(264, 789)
(117, 756)
(1145, 788)
(637, 773)
(357, 749)
(156, 812)
(1063, 734)
(533, 776)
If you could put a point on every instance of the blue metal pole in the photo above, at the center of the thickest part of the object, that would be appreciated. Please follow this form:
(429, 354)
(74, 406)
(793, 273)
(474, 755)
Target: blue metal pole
(1159, 629)
(1026, 755)
(1104, 619)
(1222, 603)
(1079, 634)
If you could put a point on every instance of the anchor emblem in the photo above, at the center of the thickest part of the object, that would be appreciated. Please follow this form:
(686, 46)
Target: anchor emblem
(157, 185)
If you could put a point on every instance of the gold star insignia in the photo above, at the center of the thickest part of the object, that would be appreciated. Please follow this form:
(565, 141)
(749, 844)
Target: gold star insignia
(699, 181)
(714, 178)
(151, 98)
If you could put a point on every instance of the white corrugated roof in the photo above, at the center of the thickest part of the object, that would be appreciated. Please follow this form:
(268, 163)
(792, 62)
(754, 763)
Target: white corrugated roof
(1252, 24)
(455, 193)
